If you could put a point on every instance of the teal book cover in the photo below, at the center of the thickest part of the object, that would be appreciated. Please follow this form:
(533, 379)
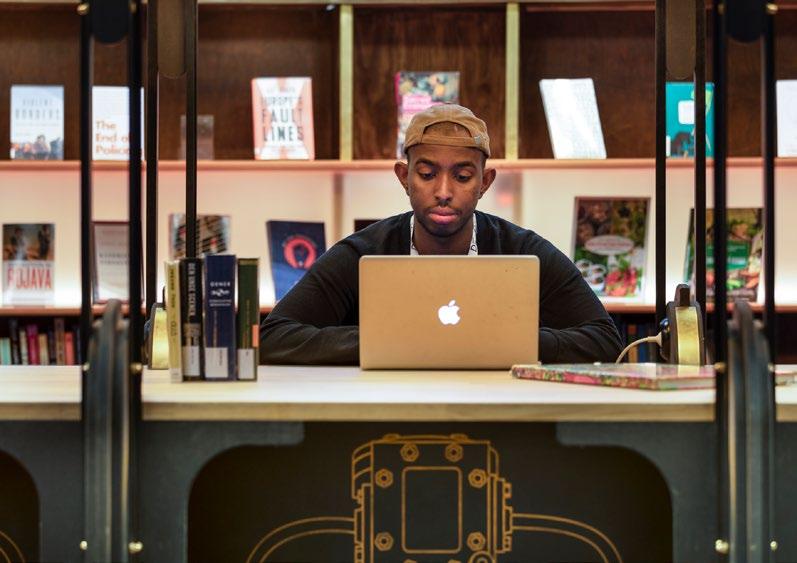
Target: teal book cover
(681, 119)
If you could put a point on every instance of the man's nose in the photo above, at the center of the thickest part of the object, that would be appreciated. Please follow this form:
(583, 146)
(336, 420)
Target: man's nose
(443, 190)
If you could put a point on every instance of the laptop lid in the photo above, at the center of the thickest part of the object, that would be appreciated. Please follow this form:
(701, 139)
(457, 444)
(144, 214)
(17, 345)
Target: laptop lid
(448, 312)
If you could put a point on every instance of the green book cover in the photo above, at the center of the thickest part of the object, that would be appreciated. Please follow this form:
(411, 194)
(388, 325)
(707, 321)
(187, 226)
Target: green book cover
(681, 119)
(248, 317)
(745, 250)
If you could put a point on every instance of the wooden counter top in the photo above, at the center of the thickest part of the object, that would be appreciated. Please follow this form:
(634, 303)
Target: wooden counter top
(348, 394)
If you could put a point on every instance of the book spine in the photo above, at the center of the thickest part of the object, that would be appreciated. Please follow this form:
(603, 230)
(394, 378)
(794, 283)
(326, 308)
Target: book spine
(173, 320)
(5, 351)
(51, 345)
(33, 344)
(69, 348)
(191, 317)
(23, 347)
(60, 343)
(248, 318)
(44, 354)
(13, 334)
(219, 329)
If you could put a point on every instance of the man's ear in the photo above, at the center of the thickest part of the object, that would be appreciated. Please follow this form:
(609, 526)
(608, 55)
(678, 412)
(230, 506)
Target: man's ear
(402, 172)
(488, 177)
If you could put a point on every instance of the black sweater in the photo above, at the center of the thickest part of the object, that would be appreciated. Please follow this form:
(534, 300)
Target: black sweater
(317, 321)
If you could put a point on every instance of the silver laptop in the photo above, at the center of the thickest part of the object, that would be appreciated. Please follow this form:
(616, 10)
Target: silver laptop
(448, 312)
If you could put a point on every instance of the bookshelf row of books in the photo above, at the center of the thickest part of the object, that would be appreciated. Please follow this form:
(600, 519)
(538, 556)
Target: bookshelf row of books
(282, 117)
(32, 343)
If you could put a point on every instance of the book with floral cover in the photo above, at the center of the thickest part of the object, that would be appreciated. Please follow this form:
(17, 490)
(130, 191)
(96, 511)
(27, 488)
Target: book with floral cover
(418, 91)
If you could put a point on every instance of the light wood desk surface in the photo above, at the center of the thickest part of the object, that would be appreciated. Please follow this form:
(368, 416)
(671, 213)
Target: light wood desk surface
(348, 394)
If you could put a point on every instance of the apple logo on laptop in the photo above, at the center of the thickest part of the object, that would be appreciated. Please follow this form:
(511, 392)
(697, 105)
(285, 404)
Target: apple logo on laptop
(449, 314)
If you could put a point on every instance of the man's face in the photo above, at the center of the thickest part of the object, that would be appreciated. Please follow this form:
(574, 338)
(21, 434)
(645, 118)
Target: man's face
(444, 185)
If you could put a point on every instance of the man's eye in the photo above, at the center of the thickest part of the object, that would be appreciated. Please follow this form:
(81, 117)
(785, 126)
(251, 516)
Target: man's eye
(426, 175)
(464, 178)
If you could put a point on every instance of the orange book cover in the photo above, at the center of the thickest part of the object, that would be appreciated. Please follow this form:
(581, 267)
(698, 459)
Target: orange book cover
(282, 116)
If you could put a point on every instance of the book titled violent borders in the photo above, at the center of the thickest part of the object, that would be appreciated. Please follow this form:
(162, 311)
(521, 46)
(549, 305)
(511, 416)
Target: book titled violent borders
(248, 317)
(219, 329)
(282, 117)
(37, 122)
(418, 91)
(609, 244)
(294, 248)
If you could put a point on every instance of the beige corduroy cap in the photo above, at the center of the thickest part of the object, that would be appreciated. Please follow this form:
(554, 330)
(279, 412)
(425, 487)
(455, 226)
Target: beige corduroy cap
(416, 131)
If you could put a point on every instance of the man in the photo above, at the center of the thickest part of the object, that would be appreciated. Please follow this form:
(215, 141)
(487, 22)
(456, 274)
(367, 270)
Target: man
(445, 176)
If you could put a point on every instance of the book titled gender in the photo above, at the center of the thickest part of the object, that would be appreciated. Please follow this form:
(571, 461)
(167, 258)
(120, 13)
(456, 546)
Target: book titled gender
(574, 124)
(37, 122)
(28, 263)
(681, 119)
(609, 244)
(744, 253)
(294, 248)
(282, 114)
(417, 91)
(111, 130)
(219, 328)
(212, 234)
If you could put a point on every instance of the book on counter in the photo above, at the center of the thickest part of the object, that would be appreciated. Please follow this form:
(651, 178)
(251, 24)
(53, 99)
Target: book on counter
(574, 124)
(609, 244)
(212, 235)
(418, 91)
(282, 116)
(658, 377)
(110, 139)
(219, 318)
(204, 137)
(191, 317)
(294, 247)
(680, 121)
(28, 263)
(248, 318)
(37, 122)
(745, 251)
(787, 117)
(173, 324)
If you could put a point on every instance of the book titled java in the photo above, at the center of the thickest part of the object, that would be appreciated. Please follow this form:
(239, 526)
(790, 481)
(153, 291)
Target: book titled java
(282, 115)
(28, 263)
(609, 244)
(219, 329)
(294, 248)
(418, 91)
(37, 122)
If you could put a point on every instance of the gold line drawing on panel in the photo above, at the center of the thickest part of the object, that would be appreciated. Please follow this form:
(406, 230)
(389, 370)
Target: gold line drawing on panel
(453, 481)
(14, 547)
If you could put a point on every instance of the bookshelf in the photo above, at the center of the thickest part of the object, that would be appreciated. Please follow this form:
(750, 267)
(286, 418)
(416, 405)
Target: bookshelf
(352, 53)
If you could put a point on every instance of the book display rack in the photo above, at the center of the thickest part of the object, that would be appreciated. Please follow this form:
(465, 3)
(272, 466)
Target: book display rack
(352, 53)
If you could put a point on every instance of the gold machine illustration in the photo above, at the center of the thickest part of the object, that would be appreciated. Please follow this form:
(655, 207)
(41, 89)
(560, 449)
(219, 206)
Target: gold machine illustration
(431, 499)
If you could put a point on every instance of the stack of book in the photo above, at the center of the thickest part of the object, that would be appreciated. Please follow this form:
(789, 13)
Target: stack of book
(206, 339)
(31, 344)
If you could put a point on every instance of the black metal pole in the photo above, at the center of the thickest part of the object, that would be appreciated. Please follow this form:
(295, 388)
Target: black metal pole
(86, 81)
(720, 267)
(661, 161)
(190, 128)
(151, 149)
(135, 246)
(700, 156)
(768, 151)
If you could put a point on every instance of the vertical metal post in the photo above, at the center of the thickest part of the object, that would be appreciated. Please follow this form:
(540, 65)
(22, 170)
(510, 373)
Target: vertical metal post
(700, 157)
(661, 161)
(86, 81)
(191, 18)
(768, 151)
(346, 73)
(720, 266)
(512, 114)
(151, 148)
(135, 246)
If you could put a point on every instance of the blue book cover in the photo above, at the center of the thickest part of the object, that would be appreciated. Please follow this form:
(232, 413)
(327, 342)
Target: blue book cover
(294, 248)
(681, 119)
(219, 329)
